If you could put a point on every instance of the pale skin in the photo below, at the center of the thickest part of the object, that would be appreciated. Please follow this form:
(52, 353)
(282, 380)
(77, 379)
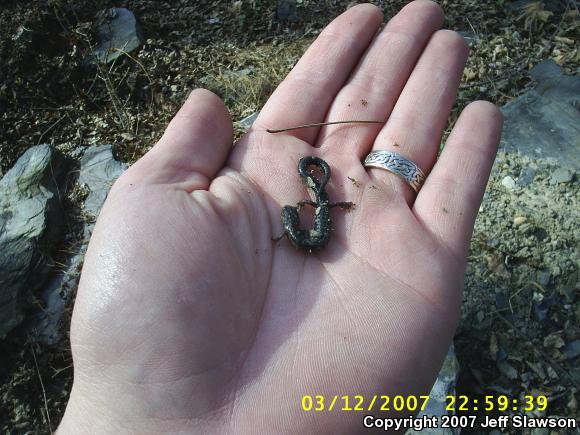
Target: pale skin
(189, 319)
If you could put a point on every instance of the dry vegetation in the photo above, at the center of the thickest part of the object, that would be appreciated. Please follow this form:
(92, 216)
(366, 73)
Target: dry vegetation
(241, 50)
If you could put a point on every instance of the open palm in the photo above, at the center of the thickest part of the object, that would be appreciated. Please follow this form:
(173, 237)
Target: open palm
(189, 318)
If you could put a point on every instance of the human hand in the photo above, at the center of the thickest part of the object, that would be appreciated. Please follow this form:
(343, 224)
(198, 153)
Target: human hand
(189, 318)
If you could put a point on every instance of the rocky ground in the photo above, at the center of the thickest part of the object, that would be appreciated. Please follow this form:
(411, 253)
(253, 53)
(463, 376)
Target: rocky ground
(519, 332)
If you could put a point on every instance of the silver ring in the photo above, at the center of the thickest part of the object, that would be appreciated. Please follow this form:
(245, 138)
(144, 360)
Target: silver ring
(398, 165)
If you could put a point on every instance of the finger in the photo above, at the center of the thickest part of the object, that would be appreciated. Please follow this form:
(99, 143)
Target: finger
(374, 87)
(193, 148)
(417, 122)
(450, 198)
(308, 90)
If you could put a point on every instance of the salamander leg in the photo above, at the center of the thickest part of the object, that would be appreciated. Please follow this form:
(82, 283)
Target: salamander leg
(306, 202)
(278, 238)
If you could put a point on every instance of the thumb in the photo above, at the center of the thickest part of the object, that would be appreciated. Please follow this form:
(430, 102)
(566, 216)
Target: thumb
(193, 148)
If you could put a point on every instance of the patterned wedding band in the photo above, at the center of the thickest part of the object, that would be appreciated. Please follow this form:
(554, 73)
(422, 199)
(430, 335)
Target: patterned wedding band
(398, 165)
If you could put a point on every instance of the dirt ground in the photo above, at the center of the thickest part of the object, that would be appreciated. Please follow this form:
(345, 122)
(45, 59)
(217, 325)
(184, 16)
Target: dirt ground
(522, 285)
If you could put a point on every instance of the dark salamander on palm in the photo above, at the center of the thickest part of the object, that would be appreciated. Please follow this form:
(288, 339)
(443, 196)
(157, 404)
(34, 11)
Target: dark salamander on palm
(316, 238)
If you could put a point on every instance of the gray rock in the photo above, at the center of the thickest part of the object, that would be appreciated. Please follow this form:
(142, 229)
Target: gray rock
(22, 35)
(555, 6)
(546, 70)
(55, 296)
(287, 11)
(526, 177)
(118, 32)
(444, 386)
(561, 175)
(98, 172)
(468, 36)
(31, 223)
(247, 122)
(572, 349)
(554, 84)
(545, 121)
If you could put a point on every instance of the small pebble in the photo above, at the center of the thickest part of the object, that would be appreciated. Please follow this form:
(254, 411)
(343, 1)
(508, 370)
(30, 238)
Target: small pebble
(519, 221)
(561, 175)
(508, 182)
